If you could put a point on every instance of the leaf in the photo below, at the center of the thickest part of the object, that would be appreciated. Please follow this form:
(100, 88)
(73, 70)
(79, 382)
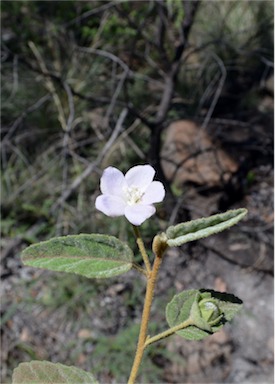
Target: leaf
(200, 228)
(93, 256)
(183, 305)
(228, 304)
(43, 372)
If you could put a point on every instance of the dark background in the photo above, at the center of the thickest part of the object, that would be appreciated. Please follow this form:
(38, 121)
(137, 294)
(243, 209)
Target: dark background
(186, 86)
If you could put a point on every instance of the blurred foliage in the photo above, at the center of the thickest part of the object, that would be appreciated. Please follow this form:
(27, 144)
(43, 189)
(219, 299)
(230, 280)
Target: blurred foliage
(36, 162)
(87, 48)
(112, 356)
(99, 58)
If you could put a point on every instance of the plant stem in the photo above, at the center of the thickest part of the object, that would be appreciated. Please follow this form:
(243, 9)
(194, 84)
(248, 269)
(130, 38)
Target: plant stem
(139, 269)
(169, 332)
(151, 282)
(142, 249)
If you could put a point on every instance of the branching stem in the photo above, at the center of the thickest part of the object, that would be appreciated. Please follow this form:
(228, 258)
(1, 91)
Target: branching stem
(139, 269)
(151, 282)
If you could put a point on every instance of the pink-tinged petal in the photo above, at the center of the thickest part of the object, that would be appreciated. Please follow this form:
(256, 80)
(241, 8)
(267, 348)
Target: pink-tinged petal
(154, 193)
(138, 213)
(112, 182)
(140, 176)
(110, 205)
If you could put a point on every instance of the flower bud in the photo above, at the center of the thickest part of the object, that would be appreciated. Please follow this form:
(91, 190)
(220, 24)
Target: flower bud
(209, 310)
(159, 244)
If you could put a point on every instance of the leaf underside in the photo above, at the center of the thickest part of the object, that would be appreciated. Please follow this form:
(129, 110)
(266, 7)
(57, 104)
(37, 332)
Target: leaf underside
(91, 255)
(45, 372)
(201, 228)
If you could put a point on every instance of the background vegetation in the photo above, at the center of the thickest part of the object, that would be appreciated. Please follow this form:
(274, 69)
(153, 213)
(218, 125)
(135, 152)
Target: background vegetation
(86, 84)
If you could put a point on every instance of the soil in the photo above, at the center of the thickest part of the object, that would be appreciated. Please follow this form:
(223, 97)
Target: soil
(239, 261)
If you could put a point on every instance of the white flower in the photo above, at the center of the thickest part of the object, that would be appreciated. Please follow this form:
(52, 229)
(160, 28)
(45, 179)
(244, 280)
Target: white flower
(132, 195)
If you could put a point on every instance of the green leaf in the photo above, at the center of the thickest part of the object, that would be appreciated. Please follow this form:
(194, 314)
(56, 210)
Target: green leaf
(93, 256)
(43, 372)
(188, 305)
(200, 228)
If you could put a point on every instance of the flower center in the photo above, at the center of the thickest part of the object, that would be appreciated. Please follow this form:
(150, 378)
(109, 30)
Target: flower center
(133, 195)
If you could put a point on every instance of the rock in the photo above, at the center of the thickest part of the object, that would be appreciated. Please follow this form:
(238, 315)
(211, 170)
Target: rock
(190, 155)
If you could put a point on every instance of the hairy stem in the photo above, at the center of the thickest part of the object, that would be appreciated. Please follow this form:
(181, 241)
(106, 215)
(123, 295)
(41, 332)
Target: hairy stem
(151, 282)
(142, 249)
(169, 332)
(139, 269)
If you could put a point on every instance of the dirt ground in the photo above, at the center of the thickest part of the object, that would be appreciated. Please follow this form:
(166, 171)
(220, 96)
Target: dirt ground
(219, 159)
(239, 261)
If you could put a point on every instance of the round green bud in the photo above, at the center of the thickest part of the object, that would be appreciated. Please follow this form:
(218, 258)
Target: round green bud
(209, 310)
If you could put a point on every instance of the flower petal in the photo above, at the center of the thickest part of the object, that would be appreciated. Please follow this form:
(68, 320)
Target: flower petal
(154, 193)
(138, 213)
(110, 205)
(112, 182)
(140, 176)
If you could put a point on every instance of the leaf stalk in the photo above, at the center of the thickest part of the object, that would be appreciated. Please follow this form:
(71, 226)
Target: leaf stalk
(168, 332)
(142, 249)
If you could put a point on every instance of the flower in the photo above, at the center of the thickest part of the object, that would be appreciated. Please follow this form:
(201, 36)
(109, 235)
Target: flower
(132, 195)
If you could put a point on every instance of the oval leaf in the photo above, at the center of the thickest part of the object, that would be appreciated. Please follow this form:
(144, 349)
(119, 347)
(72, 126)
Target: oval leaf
(93, 256)
(182, 305)
(43, 372)
(200, 228)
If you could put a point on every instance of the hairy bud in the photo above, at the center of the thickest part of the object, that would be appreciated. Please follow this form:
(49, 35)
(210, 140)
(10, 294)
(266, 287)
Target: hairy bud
(159, 244)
